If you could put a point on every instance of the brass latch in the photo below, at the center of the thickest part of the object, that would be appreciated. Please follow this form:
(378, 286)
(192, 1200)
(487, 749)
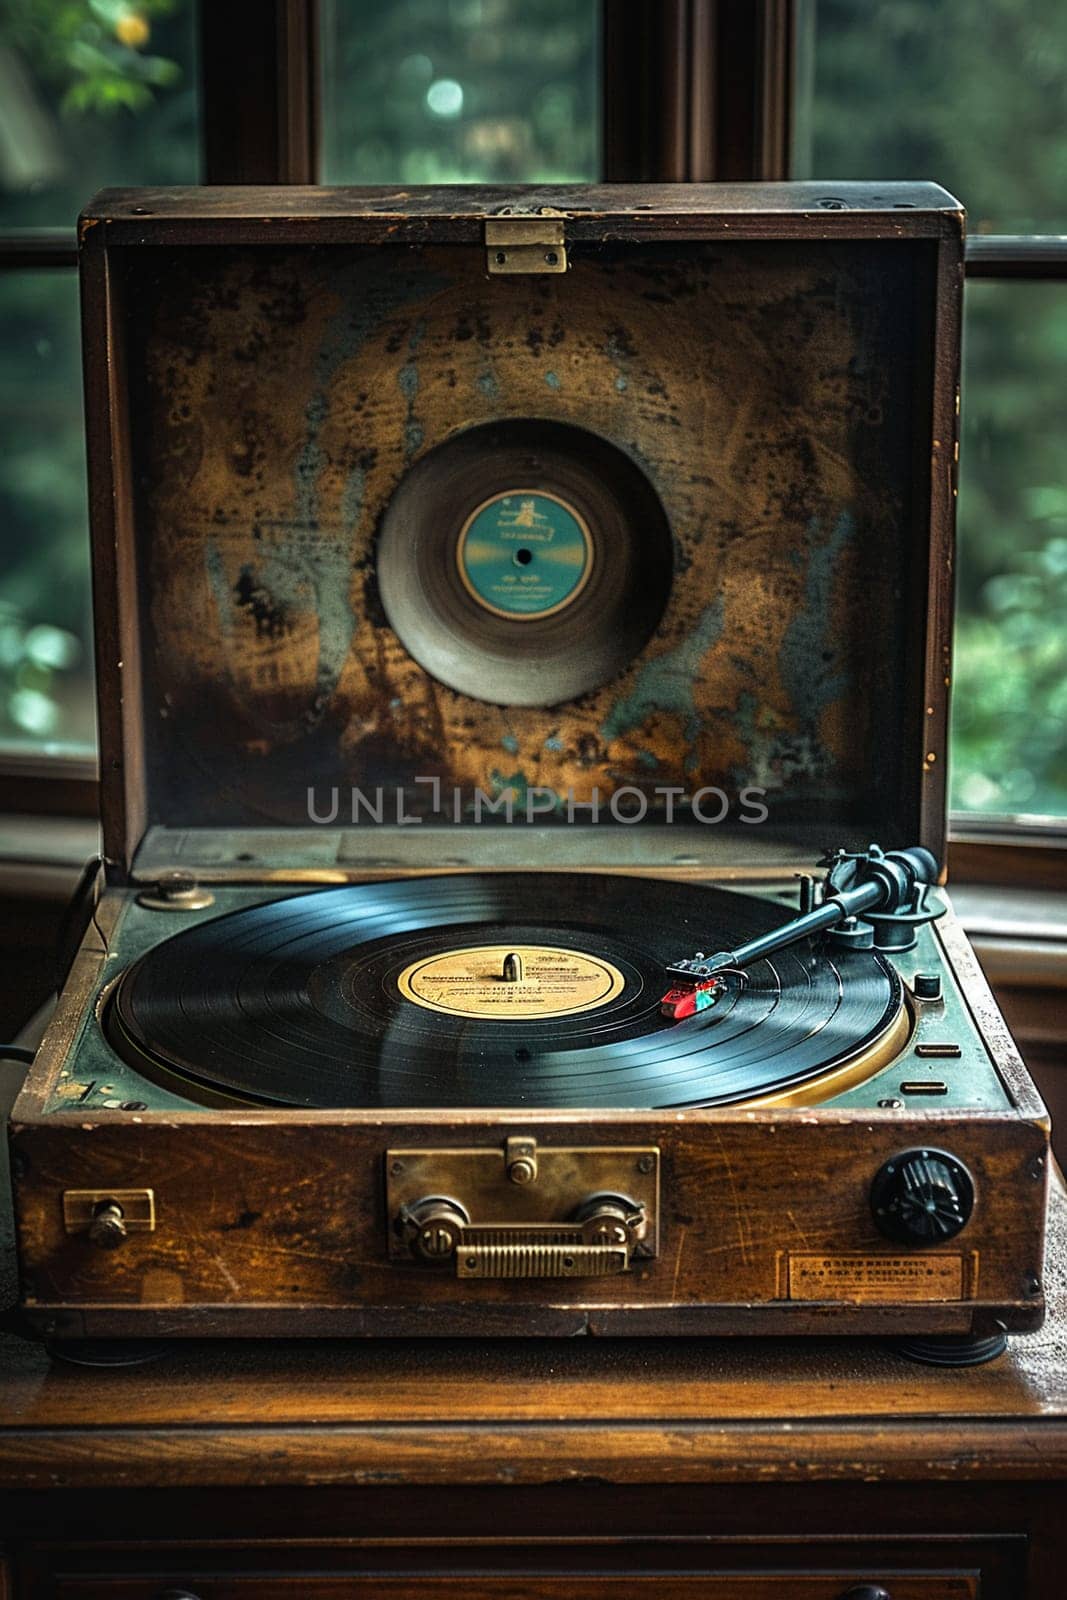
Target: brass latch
(525, 244)
(523, 1210)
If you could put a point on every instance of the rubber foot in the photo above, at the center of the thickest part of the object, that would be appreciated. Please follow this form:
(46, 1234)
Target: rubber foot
(107, 1352)
(953, 1350)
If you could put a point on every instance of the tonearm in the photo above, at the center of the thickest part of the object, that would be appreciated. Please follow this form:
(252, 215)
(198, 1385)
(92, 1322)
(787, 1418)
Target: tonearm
(868, 898)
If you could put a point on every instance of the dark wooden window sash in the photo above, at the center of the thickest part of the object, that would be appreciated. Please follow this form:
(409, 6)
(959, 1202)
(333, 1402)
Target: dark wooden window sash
(259, 93)
(696, 90)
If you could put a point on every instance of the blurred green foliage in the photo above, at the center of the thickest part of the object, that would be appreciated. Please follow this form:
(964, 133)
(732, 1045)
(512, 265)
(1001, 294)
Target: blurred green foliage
(91, 92)
(45, 624)
(970, 93)
(1009, 740)
(975, 97)
(94, 55)
(460, 91)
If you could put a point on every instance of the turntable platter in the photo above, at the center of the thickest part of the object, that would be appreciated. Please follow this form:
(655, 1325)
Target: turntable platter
(506, 990)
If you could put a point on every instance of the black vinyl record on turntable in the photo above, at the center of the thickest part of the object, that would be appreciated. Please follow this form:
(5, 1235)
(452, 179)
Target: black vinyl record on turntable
(533, 989)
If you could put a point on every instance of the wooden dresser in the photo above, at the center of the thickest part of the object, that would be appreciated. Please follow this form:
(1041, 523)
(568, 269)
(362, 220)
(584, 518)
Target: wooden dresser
(708, 1470)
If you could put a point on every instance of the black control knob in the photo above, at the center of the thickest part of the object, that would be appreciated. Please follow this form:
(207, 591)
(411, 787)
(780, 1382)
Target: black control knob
(922, 1197)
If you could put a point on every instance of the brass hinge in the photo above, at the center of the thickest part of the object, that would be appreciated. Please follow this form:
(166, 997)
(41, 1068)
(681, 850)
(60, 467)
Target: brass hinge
(525, 244)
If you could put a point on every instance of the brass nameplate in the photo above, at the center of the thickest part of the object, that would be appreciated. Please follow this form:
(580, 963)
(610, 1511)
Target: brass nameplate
(876, 1279)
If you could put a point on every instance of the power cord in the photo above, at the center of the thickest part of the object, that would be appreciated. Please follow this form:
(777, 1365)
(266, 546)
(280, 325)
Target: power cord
(81, 910)
(16, 1052)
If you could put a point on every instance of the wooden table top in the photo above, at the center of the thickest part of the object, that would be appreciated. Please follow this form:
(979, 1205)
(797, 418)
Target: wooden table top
(523, 1412)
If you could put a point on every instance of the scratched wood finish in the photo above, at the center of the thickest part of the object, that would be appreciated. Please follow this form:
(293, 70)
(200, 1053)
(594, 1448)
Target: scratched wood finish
(777, 392)
(536, 1472)
(266, 1226)
(722, 1586)
(273, 1221)
(316, 215)
(677, 1459)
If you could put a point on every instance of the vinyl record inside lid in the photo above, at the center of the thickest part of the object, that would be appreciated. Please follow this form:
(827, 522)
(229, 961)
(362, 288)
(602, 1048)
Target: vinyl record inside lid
(525, 562)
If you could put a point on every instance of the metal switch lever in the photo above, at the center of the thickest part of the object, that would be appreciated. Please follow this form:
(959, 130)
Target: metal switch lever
(108, 1227)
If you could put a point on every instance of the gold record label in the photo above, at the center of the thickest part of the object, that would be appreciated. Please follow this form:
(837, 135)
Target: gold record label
(545, 982)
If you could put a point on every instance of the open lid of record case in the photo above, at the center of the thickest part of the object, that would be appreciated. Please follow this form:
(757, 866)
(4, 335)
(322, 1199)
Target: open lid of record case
(415, 512)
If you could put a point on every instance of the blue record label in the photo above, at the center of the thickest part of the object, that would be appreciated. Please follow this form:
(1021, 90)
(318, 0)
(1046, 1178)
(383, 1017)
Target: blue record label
(524, 554)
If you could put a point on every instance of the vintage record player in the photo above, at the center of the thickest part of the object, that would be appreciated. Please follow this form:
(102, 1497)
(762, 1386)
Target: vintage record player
(518, 614)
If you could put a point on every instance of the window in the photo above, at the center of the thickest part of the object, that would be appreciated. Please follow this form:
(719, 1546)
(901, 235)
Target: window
(100, 92)
(92, 92)
(502, 91)
(975, 98)
(460, 91)
(45, 613)
(1009, 738)
(970, 96)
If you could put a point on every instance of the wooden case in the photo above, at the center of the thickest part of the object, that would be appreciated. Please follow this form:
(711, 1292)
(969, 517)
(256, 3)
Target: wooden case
(262, 369)
(272, 1222)
(264, 366)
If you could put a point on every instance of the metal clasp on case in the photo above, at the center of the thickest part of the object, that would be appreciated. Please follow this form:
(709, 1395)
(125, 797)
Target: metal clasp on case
(523, 1210)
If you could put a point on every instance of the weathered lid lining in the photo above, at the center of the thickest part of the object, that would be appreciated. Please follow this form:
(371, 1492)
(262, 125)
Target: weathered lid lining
(779, 394)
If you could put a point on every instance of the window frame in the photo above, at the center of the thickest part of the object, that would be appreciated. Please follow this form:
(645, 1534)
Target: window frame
(989, 848)
(259, 119)
(693, 90)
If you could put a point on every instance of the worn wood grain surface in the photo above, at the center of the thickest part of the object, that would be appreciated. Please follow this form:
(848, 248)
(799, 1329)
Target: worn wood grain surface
(490, 1412)
(291, 1216)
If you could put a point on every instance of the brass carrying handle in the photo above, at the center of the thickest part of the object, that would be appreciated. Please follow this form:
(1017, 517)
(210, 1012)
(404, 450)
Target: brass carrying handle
(597, 1243)
(541, 1260)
